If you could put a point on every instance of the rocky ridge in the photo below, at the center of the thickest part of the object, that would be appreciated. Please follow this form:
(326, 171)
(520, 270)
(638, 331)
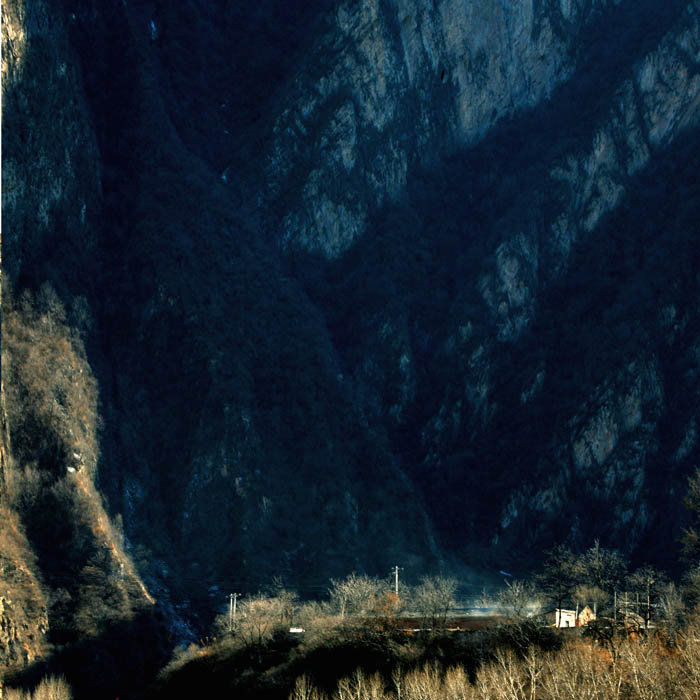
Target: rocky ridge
(390, 86)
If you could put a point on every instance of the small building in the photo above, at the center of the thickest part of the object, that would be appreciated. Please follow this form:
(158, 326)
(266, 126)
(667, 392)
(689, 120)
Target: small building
(564, 618)
(573, 618)
(584, 617)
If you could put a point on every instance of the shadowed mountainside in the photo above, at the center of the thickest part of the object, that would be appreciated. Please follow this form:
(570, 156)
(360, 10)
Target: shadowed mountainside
(309, 290)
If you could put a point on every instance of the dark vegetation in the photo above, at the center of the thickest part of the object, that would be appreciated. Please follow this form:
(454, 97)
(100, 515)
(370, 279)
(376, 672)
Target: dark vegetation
(118, 662)
(648, 649)
(39, 126)
(421, 263)
(419, 266)
(494, 664)
(71, 590)
(228, 669)
(241, 58)
(220, 323)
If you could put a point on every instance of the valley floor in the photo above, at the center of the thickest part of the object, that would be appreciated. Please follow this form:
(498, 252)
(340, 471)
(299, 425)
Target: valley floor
(510, 662)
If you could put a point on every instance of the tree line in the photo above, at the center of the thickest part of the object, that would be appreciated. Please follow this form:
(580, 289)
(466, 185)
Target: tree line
(599, 578)
(355, 599)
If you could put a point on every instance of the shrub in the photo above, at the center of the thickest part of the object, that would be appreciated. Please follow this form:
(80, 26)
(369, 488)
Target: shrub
(50, 688)
(51, 393)
(641, 669)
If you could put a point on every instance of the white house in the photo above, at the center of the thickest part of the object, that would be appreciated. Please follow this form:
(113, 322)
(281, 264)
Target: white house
(564, 618)
(573, 618)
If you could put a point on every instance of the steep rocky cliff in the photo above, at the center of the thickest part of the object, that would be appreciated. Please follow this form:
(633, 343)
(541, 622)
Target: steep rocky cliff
(64, 573)
(476, 237)
(300, 290)
(390, 86)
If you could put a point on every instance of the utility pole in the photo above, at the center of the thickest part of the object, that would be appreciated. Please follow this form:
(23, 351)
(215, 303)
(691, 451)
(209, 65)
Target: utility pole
(396, 581)
(232, 600)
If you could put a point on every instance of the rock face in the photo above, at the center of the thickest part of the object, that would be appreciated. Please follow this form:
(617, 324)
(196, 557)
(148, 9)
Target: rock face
(395, 84)
(552, 201)
(64, 573)
(400, 282)
(51, 166)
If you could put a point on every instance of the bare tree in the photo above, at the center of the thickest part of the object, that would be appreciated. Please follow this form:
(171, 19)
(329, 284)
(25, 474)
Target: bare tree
(646, 584)
(691, 536)
(645, 670)
(672, 610)
(355, 595)
(520, 599)
(603, 568)
(534, 668)
(688, 649)
(50, 688)
(560, 576)
(304, 689)
(258, 620)
(433, 599)
(586, 594)
(691, 586)
(361, 687)
(505, 678)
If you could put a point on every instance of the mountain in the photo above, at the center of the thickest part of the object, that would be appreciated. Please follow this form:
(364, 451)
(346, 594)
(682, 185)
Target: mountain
(295, 289)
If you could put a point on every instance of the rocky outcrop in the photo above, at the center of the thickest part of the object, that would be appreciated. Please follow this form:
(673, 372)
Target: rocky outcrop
(391, 86)
(650, 109)
(24, 621)
(51, 170)
(550, 203)
(64, 572)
